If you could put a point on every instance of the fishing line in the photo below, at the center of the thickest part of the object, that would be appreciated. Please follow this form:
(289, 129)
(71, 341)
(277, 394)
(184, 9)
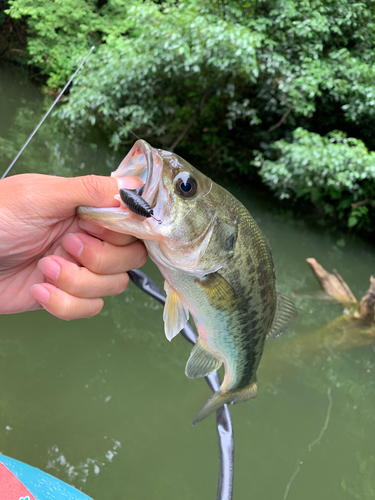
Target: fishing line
(45, 116)
(123, 124)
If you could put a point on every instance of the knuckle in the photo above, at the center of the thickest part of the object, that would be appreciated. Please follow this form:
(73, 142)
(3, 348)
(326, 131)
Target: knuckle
(69, 309)
(122, 283)
(65, 310)
(72, 279)
(141, 254)
(93, 186)
(74, 287)
(98, 258)
(96, 307)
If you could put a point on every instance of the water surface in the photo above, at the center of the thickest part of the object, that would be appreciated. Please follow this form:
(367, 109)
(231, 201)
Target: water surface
(104, 404)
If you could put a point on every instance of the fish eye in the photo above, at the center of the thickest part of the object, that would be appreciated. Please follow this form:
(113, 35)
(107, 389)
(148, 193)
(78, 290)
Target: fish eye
(185, 185)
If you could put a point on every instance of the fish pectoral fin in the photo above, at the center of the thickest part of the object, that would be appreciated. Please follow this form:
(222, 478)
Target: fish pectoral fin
(175, 313)
(201, 362)
(218, 291)
(285, 313)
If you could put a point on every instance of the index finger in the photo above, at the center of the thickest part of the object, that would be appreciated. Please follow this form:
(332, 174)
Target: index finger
(101, 257)
(118, 239)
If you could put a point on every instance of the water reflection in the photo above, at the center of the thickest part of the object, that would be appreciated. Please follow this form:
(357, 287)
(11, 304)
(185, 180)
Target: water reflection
(56, 377)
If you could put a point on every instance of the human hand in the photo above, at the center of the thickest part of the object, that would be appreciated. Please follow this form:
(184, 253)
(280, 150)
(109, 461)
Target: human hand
(48, 256)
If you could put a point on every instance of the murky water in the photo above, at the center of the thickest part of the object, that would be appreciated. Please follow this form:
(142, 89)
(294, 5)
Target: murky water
(104, 404)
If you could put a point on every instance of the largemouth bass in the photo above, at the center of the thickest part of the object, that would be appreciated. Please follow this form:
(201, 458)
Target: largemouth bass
(216, 263)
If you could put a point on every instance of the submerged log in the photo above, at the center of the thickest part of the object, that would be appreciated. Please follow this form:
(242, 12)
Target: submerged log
(341, 334)
(366, 306)
(333, 284)
(354, 328)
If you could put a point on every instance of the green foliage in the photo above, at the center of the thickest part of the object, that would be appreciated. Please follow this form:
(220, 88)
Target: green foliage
(178, 61)
(62, 30)
(215, 79)
(319, 49)
(333, 172)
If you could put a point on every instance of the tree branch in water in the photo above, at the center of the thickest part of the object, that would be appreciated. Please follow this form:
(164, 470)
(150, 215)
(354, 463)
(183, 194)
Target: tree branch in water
(366, 306)
(333, 284)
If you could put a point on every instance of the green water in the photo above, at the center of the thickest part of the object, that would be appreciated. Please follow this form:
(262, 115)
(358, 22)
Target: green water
(104, 404)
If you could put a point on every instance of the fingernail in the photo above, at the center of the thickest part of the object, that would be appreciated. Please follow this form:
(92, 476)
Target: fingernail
(73, 245)
(91, 228)
(40, 293)
(49, 268)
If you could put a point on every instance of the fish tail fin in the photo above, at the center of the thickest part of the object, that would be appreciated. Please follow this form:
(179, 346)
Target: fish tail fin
(221, 398)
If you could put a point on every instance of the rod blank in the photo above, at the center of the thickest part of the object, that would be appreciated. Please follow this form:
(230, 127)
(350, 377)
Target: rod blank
(45, 116)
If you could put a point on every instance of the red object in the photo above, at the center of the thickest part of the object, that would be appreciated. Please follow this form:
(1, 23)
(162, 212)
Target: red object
(11, 488)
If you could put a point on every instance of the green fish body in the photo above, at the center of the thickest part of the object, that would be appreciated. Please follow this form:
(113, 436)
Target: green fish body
(216, 263)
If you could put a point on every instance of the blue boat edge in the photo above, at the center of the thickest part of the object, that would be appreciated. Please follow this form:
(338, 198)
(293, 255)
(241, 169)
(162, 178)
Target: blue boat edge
(41, 485)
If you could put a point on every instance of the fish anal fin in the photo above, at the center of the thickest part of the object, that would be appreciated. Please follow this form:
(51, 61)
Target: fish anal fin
(285, 313)
(201, 362)
(221, 398)
(175, 313)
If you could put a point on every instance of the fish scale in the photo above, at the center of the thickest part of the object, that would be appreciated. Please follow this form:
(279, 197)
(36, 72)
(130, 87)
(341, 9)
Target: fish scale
(217, 265)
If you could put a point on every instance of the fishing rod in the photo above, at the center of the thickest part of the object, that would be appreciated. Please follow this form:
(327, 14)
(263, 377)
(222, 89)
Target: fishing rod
(45, 116)
(141, 280)
(223, 418)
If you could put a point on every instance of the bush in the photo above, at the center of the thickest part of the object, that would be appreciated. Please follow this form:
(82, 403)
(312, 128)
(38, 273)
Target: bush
(336, 173)
(216, 79)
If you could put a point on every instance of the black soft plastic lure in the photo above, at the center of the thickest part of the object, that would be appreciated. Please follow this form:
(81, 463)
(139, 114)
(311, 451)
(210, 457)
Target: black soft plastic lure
(135, 203)
(133, 200)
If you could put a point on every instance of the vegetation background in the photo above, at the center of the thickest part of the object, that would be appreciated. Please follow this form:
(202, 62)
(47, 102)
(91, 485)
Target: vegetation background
(281, 92)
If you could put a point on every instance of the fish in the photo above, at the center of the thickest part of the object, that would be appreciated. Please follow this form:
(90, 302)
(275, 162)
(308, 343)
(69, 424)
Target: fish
(217, 265)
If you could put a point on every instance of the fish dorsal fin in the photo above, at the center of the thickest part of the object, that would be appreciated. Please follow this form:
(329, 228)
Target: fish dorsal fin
(285, 313)
(201, 362)
(175, 313)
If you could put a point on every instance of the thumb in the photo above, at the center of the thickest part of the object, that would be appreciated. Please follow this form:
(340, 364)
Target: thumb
(90, 190)
(51, 196)
(96, 191)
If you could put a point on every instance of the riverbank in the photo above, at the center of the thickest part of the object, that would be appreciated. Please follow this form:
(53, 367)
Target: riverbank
(281, 95)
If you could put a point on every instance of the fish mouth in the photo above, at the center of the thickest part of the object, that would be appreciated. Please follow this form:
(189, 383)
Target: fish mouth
(143, 162)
